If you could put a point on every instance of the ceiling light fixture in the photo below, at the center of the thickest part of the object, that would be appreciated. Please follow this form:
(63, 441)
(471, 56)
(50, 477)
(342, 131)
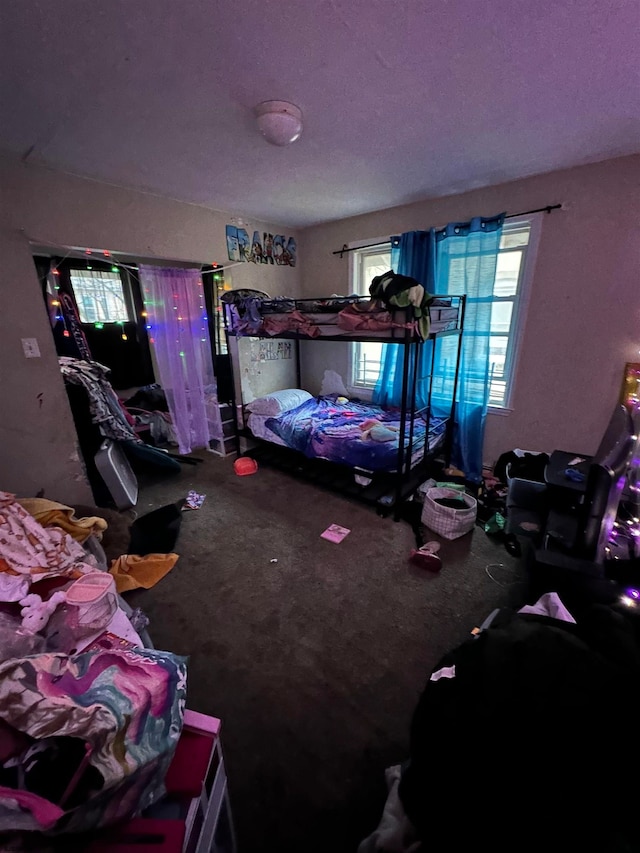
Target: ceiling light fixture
(279, 122)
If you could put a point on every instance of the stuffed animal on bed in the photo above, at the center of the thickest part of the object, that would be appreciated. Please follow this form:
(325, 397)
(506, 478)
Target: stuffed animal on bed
(36, 612)
(377, 431)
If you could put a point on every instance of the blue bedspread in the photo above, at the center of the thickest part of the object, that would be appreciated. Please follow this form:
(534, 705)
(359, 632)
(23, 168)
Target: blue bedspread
(359, 434)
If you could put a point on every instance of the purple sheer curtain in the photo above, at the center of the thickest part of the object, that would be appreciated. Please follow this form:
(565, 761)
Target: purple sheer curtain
(179, 334)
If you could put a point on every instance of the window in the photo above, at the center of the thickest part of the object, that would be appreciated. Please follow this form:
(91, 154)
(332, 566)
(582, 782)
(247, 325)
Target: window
(100, 296)
(515, 260)
(219, 287)
(367, 357)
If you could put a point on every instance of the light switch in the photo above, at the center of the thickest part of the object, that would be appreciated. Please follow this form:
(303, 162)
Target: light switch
(30, 348)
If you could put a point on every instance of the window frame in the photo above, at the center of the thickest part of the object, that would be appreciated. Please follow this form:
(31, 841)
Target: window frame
(374, 245)
(103, 267)
(520, 309)
(520, 303)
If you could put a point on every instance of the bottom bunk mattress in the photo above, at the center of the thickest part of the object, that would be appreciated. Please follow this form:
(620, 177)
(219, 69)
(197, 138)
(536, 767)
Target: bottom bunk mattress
(359, 434)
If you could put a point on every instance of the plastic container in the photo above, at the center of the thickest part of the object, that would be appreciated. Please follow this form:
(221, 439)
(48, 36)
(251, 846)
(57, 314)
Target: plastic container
(245, 465)
(94, 601)
(114, 468)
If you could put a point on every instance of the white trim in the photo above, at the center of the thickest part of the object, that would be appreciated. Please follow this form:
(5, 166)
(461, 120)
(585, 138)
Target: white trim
(361, 244)
(362, 391)
(522, 305)
(501, 411)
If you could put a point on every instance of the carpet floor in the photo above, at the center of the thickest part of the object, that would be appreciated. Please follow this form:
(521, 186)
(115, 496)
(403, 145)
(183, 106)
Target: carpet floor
(315, 662)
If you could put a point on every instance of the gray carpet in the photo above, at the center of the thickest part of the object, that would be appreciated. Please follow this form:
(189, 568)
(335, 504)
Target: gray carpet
(313, 663)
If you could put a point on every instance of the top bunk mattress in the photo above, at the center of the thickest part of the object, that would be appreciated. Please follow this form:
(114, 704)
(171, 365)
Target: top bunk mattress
(342, 317)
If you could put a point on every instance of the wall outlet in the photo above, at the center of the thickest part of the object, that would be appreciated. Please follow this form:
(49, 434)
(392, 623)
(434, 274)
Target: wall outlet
(30, 348)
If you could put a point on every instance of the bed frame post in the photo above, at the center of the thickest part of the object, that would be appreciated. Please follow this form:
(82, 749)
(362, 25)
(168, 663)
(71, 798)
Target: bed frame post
(403, 421)
(414, 384)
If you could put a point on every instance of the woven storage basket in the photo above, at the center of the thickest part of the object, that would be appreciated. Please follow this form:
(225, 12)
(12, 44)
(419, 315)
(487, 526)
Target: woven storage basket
(446, 521)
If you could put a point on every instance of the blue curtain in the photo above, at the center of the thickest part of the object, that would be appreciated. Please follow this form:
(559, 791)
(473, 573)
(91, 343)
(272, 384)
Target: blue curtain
(412, 254)
(458, 259)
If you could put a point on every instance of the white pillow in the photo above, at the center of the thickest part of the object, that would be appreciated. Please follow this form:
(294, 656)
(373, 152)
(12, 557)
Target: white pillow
(279, 401)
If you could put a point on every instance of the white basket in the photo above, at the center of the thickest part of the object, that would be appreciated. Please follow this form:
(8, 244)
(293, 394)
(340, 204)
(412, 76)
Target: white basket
(446, 521)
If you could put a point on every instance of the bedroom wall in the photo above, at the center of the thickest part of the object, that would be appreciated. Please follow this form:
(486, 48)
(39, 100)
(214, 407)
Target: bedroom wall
(583, 321)
(264, 366)
(37, 436)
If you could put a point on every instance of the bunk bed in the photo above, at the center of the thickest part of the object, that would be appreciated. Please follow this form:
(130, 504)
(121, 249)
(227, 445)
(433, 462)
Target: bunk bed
(377, 454)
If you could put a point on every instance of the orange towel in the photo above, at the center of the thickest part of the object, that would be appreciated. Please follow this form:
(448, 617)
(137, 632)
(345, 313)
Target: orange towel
(131, 571)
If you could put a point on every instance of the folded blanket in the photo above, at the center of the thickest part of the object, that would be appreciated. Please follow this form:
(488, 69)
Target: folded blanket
(53, 514)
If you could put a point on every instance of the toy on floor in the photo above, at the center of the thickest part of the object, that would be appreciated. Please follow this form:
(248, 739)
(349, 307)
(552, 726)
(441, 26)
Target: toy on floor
(426, 557)
(36, 612)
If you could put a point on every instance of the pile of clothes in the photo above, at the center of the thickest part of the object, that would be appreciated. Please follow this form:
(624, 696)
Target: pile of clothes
(89, 716)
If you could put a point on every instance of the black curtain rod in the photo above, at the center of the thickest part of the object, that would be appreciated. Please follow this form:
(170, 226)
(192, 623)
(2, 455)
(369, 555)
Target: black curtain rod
(546, 209)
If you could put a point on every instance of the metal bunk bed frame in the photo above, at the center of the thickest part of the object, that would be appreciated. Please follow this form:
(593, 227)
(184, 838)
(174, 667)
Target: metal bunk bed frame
(396, 485)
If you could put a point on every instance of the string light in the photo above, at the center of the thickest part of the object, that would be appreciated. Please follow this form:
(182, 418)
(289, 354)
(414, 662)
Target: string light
(56, 272)
(148, 326)
(66, 333)
(114, 269)
(143, 314)
(124, 337)
(98, 326)
(55, 302)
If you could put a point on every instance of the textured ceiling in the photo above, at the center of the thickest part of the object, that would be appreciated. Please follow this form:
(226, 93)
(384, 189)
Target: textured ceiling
(401, 100)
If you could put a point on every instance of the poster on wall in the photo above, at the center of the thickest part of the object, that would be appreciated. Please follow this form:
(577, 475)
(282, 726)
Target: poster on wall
(271, 351)
(233, 250)
(261, 248)
(243, 245)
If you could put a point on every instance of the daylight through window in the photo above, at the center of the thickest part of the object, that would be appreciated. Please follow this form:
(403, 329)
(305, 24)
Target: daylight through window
(100, 296)
(505, 310)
